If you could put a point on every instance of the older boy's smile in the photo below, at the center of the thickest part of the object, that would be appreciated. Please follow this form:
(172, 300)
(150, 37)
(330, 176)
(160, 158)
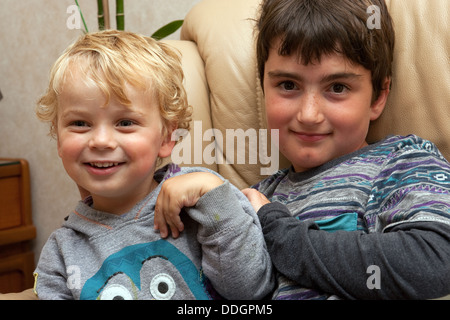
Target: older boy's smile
(322, 110)
(311, 137)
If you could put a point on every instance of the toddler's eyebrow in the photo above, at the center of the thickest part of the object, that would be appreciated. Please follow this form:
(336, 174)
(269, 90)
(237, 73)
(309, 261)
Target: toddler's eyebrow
(128, 112)
(72, 112)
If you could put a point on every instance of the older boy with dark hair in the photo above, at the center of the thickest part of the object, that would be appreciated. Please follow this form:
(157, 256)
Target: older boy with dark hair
(326, 76)
(347, 219)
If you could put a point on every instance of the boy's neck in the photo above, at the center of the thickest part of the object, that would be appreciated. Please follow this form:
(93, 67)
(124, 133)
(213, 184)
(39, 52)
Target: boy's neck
(120, 205)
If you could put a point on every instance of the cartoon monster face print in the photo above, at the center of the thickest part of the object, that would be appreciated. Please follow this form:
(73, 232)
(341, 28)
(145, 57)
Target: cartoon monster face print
(153, 270)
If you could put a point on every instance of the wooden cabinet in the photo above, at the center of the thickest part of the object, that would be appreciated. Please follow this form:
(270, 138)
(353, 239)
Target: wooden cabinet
(16, 227)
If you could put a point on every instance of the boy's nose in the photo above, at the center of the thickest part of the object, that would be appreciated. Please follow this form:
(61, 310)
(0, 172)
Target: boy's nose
(103, 138)
(310, 109)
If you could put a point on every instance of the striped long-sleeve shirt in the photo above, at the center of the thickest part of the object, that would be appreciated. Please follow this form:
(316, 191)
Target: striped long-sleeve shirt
(371, 224)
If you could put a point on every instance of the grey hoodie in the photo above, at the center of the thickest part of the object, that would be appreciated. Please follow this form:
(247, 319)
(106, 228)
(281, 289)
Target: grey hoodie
(98, 255)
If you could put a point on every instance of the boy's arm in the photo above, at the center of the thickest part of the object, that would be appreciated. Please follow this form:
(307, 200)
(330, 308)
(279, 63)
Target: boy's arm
(412, 260)
(235, 258)
(50, 274)
(408, 252)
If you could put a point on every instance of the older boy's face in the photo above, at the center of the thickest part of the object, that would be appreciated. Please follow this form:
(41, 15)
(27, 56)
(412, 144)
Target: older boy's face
(109, 150)
(322, 110)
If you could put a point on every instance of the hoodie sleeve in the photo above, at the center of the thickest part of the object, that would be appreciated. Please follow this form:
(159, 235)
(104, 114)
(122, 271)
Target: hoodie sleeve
(51, 280)
(235, 257)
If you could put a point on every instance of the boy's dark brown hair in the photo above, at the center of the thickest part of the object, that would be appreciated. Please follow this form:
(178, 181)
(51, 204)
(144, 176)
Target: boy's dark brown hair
(312, 28)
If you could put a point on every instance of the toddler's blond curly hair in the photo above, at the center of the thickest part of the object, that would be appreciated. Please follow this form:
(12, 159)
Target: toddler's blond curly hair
(112, 59)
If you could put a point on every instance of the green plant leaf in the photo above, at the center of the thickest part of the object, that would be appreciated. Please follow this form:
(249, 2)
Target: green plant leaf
(167, 30)
(82, 18)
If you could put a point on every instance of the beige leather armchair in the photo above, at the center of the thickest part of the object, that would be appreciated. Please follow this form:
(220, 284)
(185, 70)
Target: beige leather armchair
(217, 44)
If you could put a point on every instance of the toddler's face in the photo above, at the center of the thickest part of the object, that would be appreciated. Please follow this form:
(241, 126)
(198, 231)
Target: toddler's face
(109, 150)
(322, 110)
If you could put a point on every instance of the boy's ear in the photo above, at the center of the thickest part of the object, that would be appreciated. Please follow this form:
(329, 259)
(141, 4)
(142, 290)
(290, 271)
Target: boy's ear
(167, 144)
(378, 105)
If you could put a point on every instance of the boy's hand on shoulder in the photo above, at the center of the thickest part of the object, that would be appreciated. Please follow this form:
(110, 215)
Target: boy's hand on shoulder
(179, 192)
(256, 198)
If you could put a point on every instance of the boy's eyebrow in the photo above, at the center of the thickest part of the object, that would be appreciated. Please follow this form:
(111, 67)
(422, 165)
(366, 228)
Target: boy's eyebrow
(72, 112)
(79, 112)
(326, 78)
(341, 75)
(284, 74)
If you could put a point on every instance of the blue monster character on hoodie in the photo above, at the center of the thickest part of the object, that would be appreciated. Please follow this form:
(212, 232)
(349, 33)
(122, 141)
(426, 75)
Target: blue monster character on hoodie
(152, 270)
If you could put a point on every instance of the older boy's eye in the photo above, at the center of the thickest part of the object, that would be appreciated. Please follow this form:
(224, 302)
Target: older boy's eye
(288, 85)
(338, 88)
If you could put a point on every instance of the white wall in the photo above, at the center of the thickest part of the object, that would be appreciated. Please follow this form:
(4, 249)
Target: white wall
(33, 33)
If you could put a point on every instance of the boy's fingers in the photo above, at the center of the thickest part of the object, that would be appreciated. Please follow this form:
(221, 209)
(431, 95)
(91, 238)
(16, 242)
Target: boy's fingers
(174, 232)
(174, 222)
(159, 222)
(256, 198)
(167, 216)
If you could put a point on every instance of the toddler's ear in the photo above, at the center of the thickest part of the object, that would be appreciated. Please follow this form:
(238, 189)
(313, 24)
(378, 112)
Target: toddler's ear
(378, 105)
(167, 143)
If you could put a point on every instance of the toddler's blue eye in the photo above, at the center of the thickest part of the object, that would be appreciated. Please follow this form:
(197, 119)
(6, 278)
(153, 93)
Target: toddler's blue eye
(126, 123)
(79, 123)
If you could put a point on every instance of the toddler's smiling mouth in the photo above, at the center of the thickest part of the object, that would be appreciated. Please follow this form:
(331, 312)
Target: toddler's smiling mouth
(103, 164)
